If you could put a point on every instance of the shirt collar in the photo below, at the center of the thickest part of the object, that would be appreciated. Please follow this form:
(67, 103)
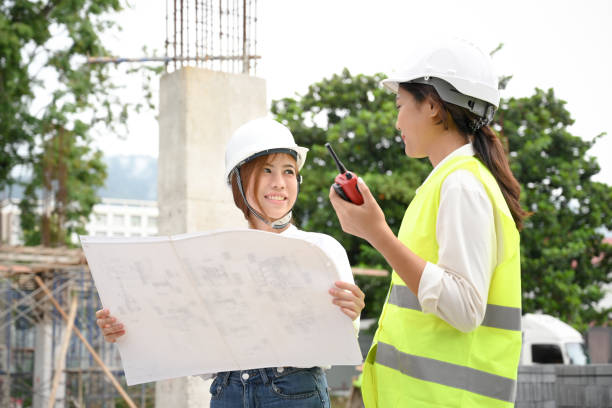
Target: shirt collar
(465, 150)
(291, 229)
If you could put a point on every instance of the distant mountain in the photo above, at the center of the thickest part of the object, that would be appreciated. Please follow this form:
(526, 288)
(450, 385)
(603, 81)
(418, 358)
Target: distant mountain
(130, 177)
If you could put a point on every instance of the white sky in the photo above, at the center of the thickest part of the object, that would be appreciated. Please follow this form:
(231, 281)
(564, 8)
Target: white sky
(566, 45)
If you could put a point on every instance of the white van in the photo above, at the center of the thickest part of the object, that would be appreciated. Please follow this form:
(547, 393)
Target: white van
(548, 340)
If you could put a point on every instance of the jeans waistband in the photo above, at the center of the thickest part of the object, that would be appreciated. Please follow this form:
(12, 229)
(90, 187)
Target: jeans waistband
(266, 374)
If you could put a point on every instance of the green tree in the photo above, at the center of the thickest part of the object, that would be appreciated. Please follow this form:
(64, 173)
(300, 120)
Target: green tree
(357, 117)
(50, 101)
(562, 239)
(68, 174)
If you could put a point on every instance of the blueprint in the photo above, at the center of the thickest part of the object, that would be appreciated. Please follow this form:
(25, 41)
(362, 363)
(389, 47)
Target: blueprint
(220, 300)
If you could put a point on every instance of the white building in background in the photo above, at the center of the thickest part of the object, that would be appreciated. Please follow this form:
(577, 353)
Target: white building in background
(113, 217)
(10, 223)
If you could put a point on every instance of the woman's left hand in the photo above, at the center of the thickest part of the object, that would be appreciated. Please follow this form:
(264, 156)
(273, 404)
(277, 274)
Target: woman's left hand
(349, 298)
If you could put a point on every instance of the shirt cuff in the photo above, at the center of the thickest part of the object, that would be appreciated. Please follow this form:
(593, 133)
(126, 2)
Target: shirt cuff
(430, 287)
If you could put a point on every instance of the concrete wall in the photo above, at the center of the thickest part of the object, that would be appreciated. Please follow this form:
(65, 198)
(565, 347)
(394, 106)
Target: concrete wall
(563, 386)
(199, 110)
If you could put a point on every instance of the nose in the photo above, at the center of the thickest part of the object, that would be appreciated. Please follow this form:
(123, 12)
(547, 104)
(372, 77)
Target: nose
(278, 180)
(397, 126)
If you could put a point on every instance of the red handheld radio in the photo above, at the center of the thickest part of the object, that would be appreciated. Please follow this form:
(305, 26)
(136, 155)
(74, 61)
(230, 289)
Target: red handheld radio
(346, 182)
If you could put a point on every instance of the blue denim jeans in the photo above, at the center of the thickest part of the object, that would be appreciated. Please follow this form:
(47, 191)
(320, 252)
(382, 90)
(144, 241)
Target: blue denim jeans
(270, 387)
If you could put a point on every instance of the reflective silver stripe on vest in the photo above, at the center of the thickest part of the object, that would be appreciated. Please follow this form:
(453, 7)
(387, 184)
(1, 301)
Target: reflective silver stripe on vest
(501, 317)
(452, 375)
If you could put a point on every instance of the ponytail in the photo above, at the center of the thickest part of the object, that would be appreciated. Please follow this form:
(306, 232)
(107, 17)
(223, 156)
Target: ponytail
(489, 150)
(487, 146)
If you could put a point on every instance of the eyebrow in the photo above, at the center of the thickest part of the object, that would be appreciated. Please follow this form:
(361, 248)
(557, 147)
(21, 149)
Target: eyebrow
(291, 166)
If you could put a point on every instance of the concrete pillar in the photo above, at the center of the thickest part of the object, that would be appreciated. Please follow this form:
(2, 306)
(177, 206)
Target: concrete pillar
(199, 110)
(43, 363)
(44, 367)
(4, 375)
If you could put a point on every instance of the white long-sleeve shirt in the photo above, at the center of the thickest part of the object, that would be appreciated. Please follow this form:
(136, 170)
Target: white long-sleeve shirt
(457, 287)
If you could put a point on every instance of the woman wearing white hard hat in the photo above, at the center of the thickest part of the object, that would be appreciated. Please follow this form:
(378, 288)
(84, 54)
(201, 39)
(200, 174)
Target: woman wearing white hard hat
(262, 164)
(449, 334)
(251, 146)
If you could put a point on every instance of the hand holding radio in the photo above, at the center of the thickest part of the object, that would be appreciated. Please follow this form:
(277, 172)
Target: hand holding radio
(345, 183)
(365, 219)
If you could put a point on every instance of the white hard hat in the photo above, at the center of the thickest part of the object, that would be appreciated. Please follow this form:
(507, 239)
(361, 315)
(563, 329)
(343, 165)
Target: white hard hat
(258, 137)
(457, 62)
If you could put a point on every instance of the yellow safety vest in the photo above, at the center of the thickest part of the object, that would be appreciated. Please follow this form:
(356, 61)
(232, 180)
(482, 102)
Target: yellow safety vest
(419, 360)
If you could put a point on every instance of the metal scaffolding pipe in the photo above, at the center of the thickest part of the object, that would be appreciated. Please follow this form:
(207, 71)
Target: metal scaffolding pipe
(117, 60)
(95, 355)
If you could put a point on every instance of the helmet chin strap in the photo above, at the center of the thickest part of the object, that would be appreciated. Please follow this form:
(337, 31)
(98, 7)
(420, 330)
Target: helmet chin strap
(276, 224)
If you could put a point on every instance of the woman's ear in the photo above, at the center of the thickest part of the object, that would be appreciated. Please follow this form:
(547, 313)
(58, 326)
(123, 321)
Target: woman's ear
(434, 111)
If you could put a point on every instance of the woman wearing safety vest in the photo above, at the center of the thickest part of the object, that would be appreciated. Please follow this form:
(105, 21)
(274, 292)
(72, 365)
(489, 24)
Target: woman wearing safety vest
(262, 164)
(449, 334)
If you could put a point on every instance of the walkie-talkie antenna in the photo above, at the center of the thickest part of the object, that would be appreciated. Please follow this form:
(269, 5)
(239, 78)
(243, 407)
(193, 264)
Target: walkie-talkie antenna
(339, 164)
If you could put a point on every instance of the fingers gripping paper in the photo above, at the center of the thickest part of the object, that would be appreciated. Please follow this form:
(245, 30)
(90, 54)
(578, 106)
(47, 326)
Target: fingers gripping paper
(219, 301)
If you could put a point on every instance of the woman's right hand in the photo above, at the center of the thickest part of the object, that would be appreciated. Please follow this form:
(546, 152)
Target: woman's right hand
(365, 221)
(111, 328)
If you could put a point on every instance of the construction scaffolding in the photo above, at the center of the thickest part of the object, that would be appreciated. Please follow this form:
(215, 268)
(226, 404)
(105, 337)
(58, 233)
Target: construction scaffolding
(34, 282)
(218, 35)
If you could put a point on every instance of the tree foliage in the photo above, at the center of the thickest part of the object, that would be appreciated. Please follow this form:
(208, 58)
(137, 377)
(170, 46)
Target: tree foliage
(562, 241)
(357, 117)
(50, 100)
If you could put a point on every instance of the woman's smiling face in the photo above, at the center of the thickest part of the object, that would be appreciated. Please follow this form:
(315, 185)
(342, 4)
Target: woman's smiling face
(273, 188)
